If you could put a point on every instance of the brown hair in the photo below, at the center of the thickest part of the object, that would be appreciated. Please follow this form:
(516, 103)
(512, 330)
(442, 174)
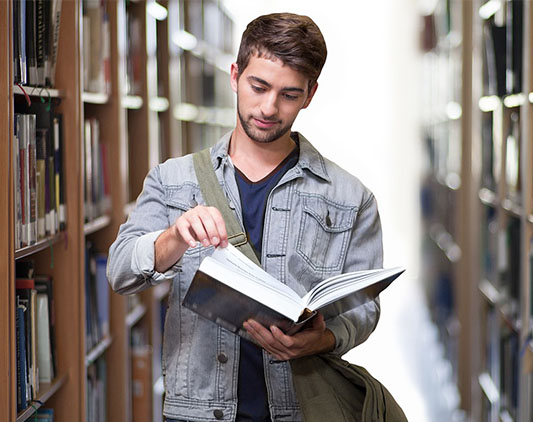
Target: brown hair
(294, 39)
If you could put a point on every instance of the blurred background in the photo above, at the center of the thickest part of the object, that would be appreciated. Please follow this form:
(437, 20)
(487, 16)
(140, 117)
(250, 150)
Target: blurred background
(366, 117)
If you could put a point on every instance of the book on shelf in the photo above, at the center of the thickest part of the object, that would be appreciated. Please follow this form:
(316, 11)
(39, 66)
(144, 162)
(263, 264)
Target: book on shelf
(38, 174)
(19, 43)
(97, 198)
(42, 415)
(96, 47)
(96, 391)
(515, 30)
(494, 59)
(229, 289)
(36, 35)
(26, 297)
(97, 297)
(22, 367)
(512, 158)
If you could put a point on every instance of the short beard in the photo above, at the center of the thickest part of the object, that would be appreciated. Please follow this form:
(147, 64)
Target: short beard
(259, 136)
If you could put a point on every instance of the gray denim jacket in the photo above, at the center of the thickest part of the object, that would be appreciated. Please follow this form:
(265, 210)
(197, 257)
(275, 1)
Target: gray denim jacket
(319, 221)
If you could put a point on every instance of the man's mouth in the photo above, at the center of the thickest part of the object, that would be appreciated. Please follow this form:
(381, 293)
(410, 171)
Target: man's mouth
(265, 124)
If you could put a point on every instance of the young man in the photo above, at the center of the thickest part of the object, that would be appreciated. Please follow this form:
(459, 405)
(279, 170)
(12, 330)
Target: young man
(306, 218)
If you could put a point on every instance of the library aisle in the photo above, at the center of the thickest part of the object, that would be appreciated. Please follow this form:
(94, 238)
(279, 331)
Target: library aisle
(405, 355)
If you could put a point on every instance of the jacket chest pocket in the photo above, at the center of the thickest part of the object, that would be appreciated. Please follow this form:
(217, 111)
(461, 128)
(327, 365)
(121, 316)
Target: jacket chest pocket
(180, 199)
(325, 230)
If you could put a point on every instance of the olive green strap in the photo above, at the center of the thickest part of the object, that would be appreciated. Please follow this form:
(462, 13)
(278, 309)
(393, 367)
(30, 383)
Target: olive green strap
(213, 196)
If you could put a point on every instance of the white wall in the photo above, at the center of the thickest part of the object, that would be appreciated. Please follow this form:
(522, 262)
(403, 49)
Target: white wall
(365, 117)
(364, 113)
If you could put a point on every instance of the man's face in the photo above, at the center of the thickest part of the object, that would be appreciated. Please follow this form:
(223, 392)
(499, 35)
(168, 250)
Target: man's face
(269, 97)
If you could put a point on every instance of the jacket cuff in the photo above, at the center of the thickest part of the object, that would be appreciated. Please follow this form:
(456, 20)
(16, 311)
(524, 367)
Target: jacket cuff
(143, 260)
(342, 336)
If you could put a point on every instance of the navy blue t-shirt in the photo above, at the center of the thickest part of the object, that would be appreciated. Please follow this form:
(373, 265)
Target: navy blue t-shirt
(252, 394)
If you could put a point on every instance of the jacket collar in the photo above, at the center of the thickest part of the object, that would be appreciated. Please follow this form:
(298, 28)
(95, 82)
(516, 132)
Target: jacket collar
(309, 158)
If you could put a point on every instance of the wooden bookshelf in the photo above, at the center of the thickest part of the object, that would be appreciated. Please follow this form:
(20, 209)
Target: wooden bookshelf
(138, 128)
(492, 280)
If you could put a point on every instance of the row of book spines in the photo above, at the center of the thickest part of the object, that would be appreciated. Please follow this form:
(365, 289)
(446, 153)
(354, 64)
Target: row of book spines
(502, 351)
(96, 297)
(491, 155)
(35, 337)
(36, 35)
(97, 197)
(40, 209)
(503, 50)
(42, 415)
(96, 392)
(96, 47)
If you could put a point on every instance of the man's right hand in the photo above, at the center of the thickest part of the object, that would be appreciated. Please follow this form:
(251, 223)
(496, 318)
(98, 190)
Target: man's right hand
(199, 224)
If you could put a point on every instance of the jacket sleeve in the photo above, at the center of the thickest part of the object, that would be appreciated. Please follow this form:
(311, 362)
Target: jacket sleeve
(130, 266)
(365, 251)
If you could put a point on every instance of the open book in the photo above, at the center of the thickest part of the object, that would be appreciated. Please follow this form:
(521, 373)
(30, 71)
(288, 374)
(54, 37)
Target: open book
(229, 289)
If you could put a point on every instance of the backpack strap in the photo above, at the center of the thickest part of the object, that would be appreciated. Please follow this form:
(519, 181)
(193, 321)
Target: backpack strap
(214, 197)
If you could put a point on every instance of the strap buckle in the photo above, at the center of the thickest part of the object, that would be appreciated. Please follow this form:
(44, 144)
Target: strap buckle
(238, 239)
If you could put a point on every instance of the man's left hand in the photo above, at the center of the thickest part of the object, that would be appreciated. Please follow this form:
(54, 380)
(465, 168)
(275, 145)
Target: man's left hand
(310, 341)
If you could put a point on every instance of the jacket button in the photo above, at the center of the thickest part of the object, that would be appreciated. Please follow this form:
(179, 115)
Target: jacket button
(219, 414)
(222, 358)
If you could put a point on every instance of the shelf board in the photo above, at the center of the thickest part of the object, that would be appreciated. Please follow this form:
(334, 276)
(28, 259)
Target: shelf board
(97, 224)
(488, 197)
(45, 392)
(94, 97)
(135, 315)
(489, 103)
(488, 9)
(445, 242)
(513, 322)
(39, 246)
(37, 91)
(98, 350)
(514, 100)
(132, 102)
(491, 293)
(159, 104)
(489, 388)
(512, 207)
(214, 116)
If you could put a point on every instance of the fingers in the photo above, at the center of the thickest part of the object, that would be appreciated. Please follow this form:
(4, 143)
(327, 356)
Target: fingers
(202, 224)
(311, 340)
(268, 339)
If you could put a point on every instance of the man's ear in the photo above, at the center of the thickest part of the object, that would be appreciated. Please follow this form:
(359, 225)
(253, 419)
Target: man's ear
(310, 95)
(234, 76)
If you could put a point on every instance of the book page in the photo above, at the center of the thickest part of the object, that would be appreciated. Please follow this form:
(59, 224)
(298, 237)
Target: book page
(338, 287)
(235, 260)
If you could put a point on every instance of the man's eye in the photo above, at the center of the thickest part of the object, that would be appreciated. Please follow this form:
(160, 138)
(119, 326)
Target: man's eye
(258, 88)
(290, 97)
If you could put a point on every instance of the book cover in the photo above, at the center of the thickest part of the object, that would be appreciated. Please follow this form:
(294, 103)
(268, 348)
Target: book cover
(229, 289)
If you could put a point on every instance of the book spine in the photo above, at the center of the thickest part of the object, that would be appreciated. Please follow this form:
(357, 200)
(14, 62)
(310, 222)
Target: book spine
(40, 33)
(22, 402)
(44, 351)
(54, 41)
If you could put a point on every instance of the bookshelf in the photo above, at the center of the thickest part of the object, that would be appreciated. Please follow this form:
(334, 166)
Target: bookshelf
(137, 126)
(490, 284)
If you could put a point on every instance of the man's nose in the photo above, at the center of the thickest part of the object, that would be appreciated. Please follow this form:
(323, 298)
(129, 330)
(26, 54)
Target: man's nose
(269, 107)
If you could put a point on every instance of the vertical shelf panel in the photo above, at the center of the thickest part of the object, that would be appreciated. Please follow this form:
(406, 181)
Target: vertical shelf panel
(64, 261)
(7, 294)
